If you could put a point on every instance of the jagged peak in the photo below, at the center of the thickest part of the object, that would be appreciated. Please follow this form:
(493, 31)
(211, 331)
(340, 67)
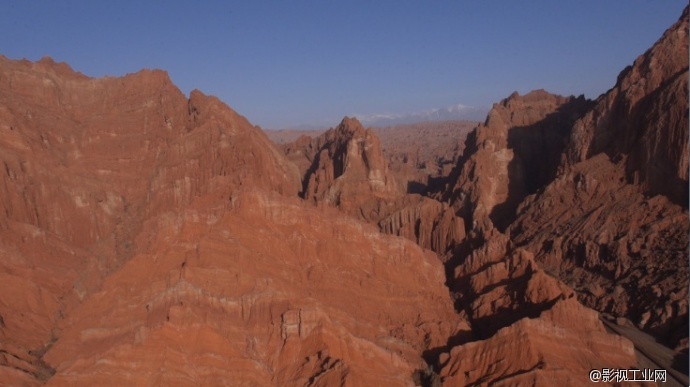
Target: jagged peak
(350, 126)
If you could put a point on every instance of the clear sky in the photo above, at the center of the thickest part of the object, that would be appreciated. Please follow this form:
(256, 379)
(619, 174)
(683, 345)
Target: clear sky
(291, 62)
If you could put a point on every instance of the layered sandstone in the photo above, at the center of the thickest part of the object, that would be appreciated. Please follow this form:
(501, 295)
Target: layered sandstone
(512, 154)
(642, 122)
(259, 289)
(348, 168)
(560, 347)
(85, 160)
(150, 238)
(516, 312)
(614, 223)
(161, 270)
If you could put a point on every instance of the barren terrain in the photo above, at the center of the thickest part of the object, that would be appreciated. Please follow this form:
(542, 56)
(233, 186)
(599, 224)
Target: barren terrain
(153, 238)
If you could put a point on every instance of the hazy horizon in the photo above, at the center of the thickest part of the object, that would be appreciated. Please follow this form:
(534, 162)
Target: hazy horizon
(299, 63)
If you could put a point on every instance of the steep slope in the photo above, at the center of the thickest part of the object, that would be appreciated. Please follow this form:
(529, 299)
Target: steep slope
(348, 169)
(594, 194)
(511, 155)
(643, 119)
(614, 224)
(262, 290)
(517, 312)
(84, 162)
(144, 239)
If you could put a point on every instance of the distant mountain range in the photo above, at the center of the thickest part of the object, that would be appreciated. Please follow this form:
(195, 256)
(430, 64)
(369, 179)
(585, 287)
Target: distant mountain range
(455, 112)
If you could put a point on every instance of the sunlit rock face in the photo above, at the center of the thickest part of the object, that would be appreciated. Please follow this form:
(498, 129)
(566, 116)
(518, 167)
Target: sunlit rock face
(147, 238)
(151, 238)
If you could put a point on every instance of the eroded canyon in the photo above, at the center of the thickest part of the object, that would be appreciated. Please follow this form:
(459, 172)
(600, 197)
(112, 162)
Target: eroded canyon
(151, 238)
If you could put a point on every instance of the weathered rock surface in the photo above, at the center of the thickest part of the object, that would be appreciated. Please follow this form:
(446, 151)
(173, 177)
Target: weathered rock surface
(644, 119)
(614, 223)
(512, 154)
(625, 253)
(149, 238)
(578, 188)
(560, 347)
(264, 290)
(84, 161)
(431, 224)
(420, 156)
(348, 168)
(516, 312)
(130, 255)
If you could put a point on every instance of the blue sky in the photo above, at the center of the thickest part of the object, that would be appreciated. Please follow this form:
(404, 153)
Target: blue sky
(288, 63)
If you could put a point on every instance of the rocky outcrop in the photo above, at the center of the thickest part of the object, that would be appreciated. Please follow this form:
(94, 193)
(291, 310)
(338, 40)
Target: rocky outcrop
(516, 311)
(431, 224)
(84, 163)
(577, 187)
(420, 156)
(642, 122)
(626, 254)
(345, 167)
(259, 289)
(512, 154)
(348, 168)
(614, 223)
(525, 352)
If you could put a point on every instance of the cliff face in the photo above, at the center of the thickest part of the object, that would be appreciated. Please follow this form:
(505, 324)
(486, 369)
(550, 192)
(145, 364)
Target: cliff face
(642, 122)
(348, 168)
(259, 289)
(146, 238)
(511, 155)
(614, 223)
(149, 238)
(593, 200)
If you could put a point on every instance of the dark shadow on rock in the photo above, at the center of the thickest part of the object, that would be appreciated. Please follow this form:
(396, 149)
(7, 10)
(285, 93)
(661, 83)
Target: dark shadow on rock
(672, 331)
(657, 172)
(416, 187)
(681, 362)
(537, 150)
(431, 356)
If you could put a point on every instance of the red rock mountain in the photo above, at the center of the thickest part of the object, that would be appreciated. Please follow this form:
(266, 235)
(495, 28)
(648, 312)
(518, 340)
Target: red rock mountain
(148, 238)
(600, 203)
(501, 293)
(614, 223)
(512, 154)
(345, 168)
(593, 192)
(145, 240)
(348, 167)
